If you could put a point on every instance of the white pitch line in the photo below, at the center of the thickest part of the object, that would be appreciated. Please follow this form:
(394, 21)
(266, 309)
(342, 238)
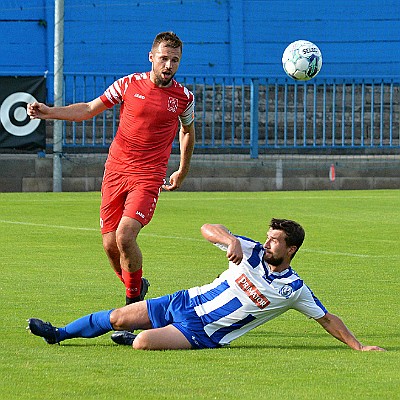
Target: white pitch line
(258, 196)
(270, 196)
(337, 253)
(331, 253)
(46, 225)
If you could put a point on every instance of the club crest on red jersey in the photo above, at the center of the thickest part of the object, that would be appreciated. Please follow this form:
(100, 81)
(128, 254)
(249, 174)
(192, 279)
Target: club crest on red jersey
(172, 104)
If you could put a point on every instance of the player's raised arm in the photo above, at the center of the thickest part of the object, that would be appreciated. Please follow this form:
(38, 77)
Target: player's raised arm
(336, 327)
(73, 112)
(219, 234)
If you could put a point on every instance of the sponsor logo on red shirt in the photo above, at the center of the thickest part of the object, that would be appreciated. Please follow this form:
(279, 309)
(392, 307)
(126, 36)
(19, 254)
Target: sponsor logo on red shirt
(252, 292)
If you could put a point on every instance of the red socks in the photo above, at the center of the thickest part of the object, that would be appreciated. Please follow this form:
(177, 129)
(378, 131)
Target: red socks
(119, 274)
(132, 282)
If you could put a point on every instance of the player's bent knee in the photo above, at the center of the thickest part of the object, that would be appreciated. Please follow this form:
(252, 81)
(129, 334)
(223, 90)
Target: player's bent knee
(117, 319)
(142, 342)
(110, 245)
(127, 232)
(125, 241)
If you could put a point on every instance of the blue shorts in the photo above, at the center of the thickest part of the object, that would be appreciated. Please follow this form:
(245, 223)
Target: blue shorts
(176, 309)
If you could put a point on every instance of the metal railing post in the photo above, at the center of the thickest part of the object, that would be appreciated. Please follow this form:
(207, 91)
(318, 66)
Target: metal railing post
(254, 118)
(58, 92)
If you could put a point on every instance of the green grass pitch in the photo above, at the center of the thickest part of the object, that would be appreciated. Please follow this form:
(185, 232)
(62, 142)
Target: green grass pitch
(53, 267)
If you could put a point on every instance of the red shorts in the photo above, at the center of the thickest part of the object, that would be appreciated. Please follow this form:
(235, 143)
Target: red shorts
(129, 196)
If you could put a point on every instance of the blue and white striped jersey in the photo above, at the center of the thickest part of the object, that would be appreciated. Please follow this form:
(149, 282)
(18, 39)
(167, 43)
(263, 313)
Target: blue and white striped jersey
(247, 295)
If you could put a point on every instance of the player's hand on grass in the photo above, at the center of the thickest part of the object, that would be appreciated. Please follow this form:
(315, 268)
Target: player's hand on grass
(372, 348)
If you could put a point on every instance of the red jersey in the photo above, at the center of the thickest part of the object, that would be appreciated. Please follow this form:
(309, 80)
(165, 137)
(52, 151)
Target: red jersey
(149, 120)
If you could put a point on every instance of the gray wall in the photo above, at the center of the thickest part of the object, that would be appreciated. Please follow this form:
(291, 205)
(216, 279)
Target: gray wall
(28, 173)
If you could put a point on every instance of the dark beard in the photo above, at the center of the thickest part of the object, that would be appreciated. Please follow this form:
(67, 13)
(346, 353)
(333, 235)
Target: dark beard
(274, 261)
(162, 82)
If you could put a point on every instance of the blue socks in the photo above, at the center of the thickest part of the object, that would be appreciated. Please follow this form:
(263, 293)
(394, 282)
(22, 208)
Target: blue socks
(89, 326)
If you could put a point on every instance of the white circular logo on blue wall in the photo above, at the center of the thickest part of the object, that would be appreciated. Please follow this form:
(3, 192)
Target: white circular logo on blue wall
(13, 114)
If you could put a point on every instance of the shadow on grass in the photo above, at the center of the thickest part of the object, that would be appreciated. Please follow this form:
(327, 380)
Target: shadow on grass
(266, 346)
(291, 347)
(284, 340)
(306, 347)
(89, 343)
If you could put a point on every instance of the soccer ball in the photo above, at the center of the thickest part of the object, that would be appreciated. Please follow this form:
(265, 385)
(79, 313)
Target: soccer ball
(302, 60)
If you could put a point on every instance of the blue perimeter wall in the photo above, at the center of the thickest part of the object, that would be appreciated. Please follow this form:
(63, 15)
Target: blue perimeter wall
(357, 38)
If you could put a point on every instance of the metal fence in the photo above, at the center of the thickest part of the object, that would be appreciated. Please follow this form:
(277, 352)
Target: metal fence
(259, 114)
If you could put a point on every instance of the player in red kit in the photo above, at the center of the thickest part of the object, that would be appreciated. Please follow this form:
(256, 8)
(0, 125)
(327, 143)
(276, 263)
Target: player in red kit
(153, 105)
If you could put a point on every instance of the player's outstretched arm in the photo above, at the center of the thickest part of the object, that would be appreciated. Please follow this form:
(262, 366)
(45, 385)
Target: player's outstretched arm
(336, 327)
(219, 234)
(73, 112)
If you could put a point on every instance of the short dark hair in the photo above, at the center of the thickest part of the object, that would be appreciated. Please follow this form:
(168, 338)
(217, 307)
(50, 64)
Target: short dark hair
(169, 38)
(294, 232)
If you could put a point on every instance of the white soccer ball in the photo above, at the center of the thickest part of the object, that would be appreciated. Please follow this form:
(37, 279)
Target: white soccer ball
(302, 60)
